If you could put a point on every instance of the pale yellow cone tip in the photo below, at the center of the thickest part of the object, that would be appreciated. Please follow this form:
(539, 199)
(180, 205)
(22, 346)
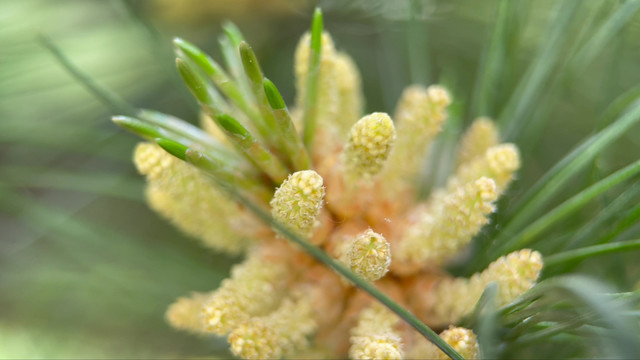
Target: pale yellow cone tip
(279, 334)
(251, 290)
(369, 255)
(463, 341)
(438, 95)
(424, 105)
(503, 159)
(151, 160)
(350, 88)
(370, 141)
(419, 117)
(499, 162)
(481, 135)
(375, 337)
(516, 273)
(186, 313)
(298, 201)
(376, 347)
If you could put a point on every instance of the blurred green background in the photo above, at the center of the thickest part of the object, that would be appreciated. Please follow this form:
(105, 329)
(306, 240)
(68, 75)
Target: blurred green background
(87, 270)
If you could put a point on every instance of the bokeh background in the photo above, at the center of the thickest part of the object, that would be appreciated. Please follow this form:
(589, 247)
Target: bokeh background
(87, 270)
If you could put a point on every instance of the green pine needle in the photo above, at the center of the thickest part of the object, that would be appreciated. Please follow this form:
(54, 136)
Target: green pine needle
(590, 251)
(530, 233)
(310, 104)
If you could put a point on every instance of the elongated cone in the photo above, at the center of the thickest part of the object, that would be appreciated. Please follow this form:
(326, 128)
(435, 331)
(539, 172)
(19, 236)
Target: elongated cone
(369, 144)
(298, 201)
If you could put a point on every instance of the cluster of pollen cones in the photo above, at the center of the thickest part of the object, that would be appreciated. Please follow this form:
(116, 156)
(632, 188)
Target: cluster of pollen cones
(350, 190)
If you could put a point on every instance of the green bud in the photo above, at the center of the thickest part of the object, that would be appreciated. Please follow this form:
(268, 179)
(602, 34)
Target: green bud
(193, 81)
(197, 56)
(174, 148)
(251, 66)
(273, 95)
(232, 126)
(137, 127)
